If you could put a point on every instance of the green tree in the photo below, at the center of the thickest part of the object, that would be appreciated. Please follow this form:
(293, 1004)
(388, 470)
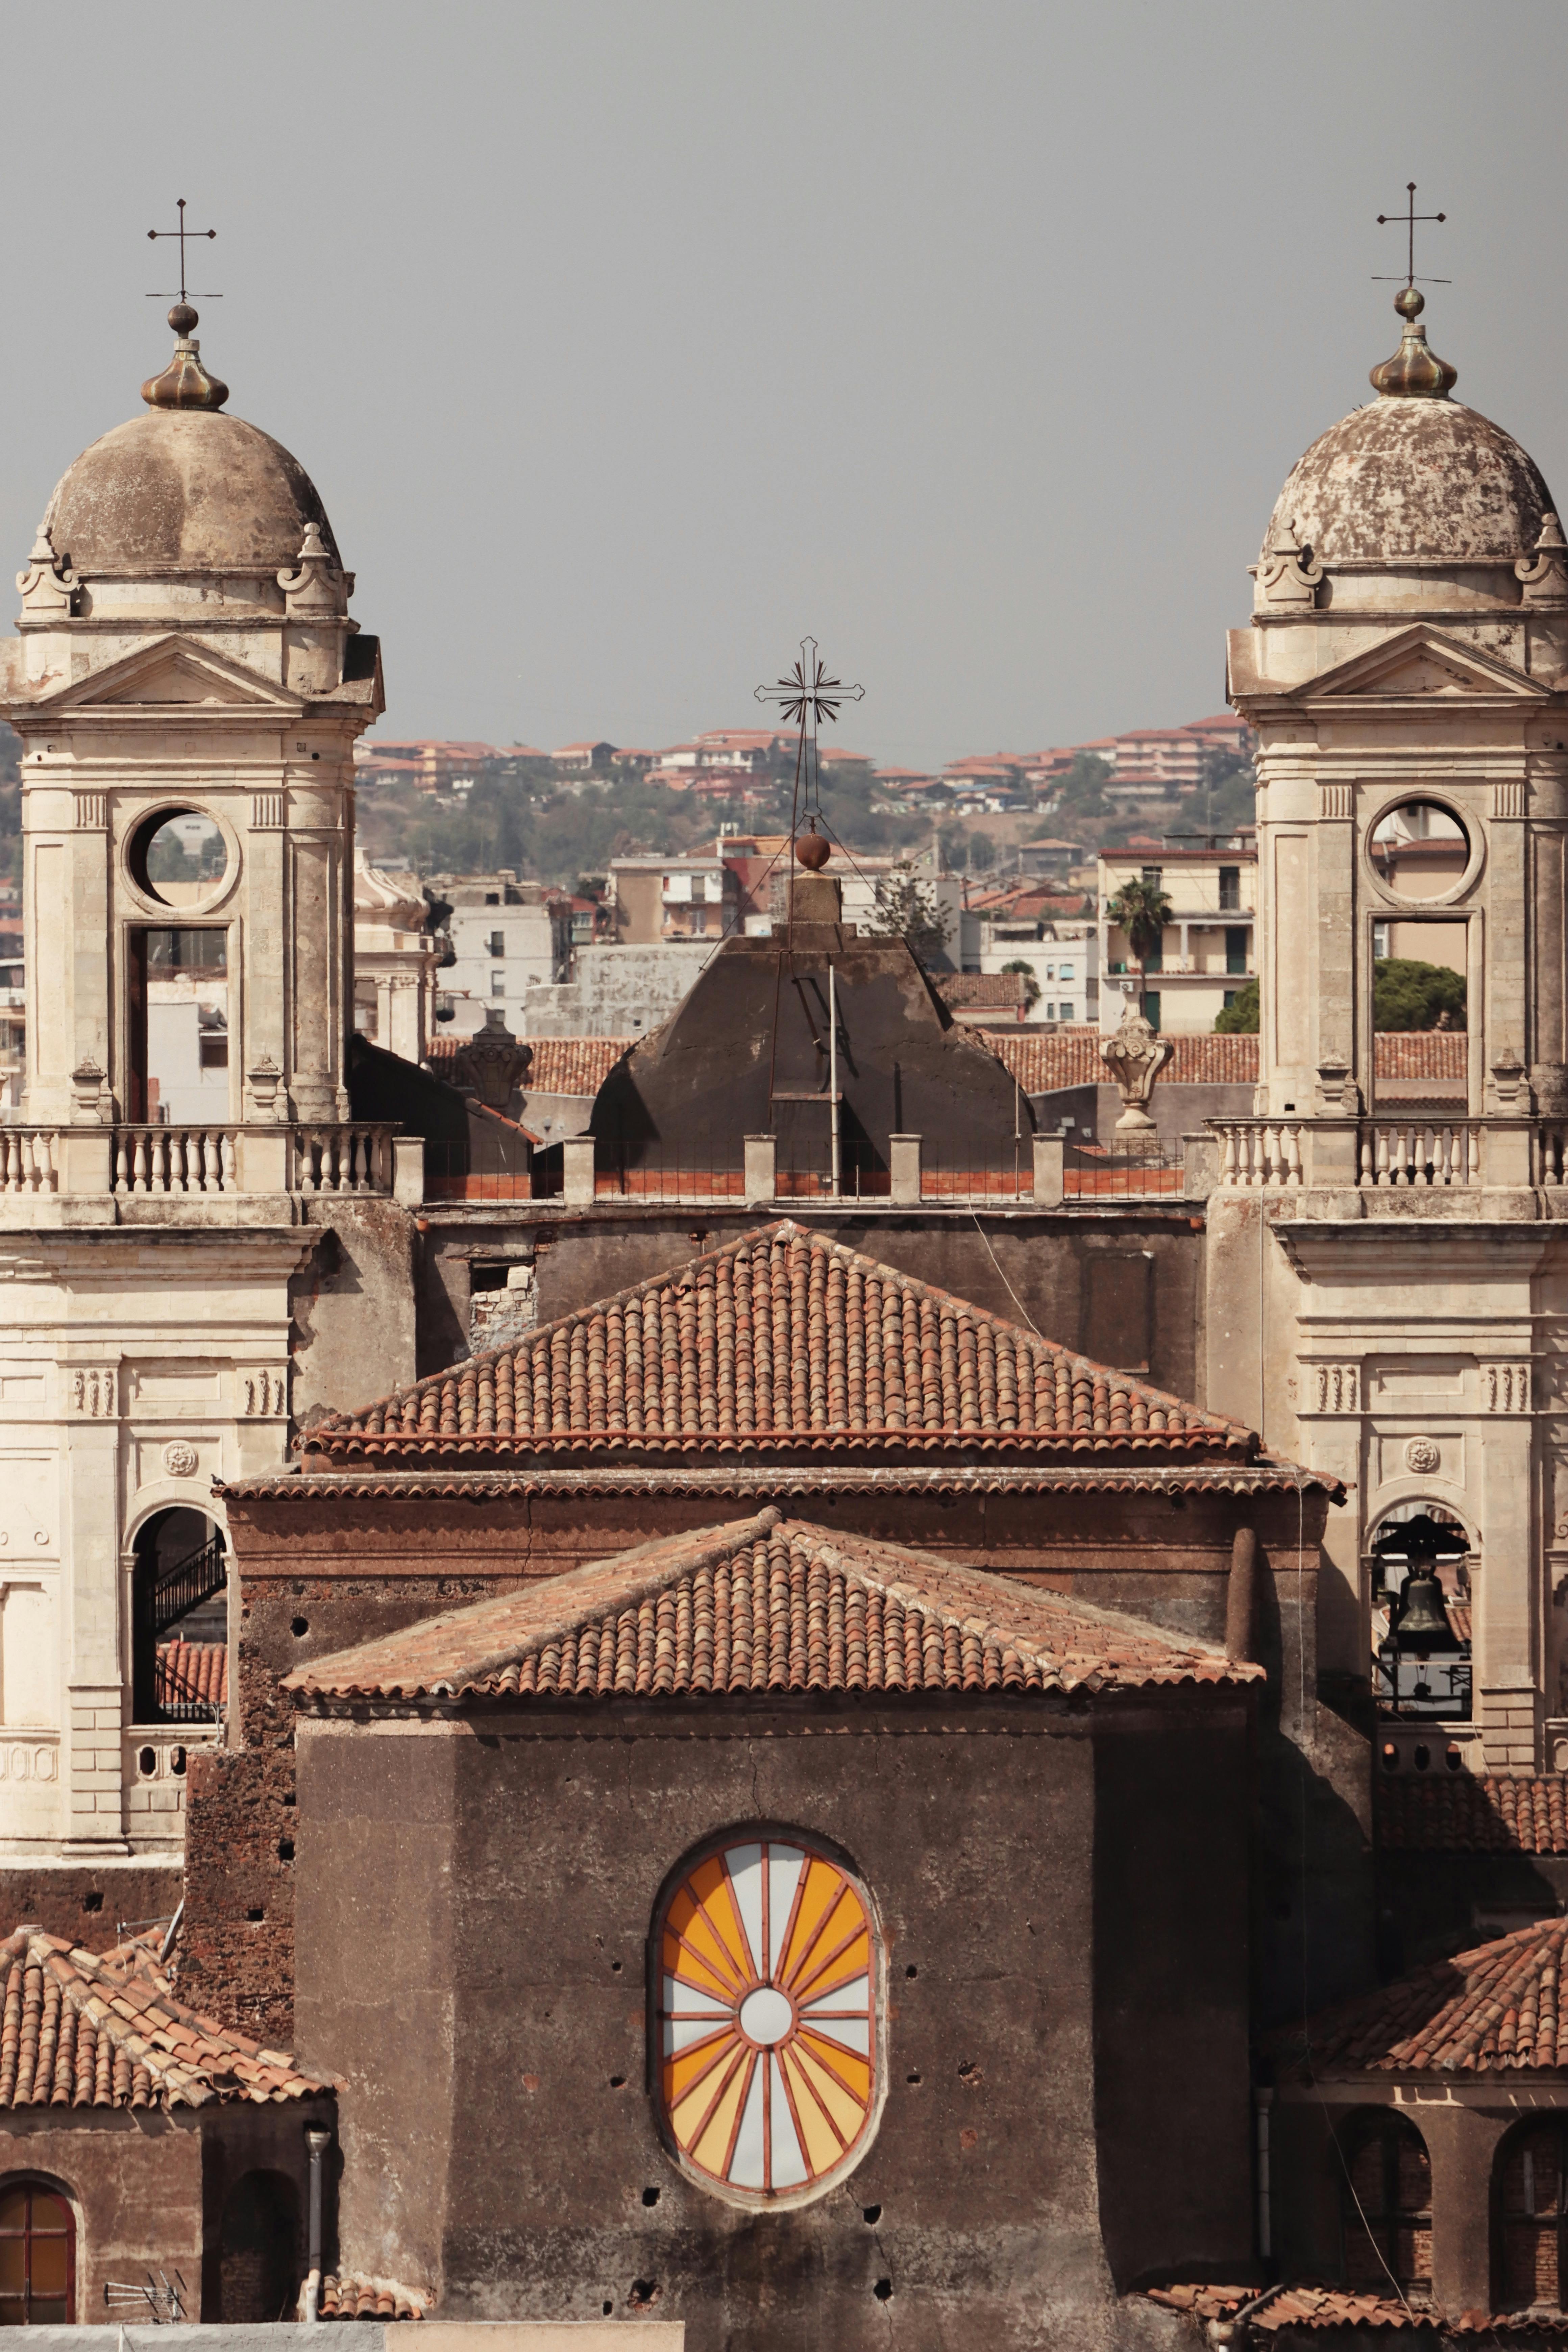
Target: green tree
(1239, 1018)
(1080, 788)
(1142, 911)
(1410, 995)
(907, 910)
(1031, 985)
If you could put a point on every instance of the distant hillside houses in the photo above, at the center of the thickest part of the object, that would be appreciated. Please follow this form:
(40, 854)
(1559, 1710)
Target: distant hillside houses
(746, 764)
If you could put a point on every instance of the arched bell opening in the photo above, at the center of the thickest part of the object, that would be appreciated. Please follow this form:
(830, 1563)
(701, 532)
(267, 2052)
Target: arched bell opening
(179, 1619)
(1422, 1561)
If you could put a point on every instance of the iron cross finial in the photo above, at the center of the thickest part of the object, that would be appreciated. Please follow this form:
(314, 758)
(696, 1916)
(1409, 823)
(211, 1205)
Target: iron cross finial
(182, 233)
(1409, 217)
(809, 694)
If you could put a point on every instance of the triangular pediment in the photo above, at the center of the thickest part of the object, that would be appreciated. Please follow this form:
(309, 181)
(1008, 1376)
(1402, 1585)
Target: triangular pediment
(1422, 664)
(172, 672)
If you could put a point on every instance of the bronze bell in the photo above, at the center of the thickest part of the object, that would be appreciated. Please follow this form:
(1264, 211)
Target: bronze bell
(1422, 1621)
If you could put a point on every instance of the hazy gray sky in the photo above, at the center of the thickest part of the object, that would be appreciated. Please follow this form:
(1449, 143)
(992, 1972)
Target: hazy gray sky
(627, 342)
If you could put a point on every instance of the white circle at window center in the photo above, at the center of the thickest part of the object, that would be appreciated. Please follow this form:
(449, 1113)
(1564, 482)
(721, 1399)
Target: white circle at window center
(766, 2015)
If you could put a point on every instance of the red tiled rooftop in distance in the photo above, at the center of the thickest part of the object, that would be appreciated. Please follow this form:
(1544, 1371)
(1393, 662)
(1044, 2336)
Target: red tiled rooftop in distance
(104, 2030)
(1473, 1813)
(1273, 2309)
(784, 1340)
(767, 1604)
(192, 1670)
(1491, 2011)
(1070, 1057)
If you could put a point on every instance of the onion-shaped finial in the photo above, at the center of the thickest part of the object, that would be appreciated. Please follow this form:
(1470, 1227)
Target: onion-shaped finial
(1414, 373)
(184, 383)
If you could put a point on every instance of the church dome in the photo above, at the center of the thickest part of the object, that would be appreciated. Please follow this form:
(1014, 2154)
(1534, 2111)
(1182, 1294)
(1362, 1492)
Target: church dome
(1414, 477)
(184, 491)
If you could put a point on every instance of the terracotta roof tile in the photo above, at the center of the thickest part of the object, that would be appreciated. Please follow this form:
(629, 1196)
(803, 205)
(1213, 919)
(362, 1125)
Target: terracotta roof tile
(1491, 2011)
(1458, 1813)
(187, 1671)
(1070, 1057)
(1274, 2308)
(782, 1339)
(351, 2296)
(104, 2030)
(767, 1604)
(982, 987)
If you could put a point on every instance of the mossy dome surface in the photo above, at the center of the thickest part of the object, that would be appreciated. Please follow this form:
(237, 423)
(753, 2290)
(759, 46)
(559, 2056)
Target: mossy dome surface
(184, 491)
(1417, 481)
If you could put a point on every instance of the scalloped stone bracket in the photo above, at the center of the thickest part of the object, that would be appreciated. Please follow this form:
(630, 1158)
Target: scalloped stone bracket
(1286, 576)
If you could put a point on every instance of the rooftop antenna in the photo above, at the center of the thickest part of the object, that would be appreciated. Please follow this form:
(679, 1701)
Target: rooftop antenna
(1409, 217)
(182, 233)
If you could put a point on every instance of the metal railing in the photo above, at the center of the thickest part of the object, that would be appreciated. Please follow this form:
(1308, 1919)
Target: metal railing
(188, 1583)
(1145, 1167)
(174, 1159)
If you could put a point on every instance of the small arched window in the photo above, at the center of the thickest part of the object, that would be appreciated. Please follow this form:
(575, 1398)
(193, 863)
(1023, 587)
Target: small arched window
(769, 2060)
(259, 2274)
(1533, 2182)
(38, 2255)
(1387, 2203)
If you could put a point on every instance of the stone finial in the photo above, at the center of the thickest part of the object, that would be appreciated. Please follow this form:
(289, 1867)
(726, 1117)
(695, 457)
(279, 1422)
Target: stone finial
(265, 1079)
(1414, 373)
(1338, 1093)
(316, 589)
(49, 583)
(1287, 574)
(92, 1103)
(1545, 578)
(1135, 1056)
(491, 1062)
(184, 383)
(1510, 1089)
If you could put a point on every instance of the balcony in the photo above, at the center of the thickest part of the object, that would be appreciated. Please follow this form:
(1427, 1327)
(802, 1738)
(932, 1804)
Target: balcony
(1396, 1163)
(217, 1174)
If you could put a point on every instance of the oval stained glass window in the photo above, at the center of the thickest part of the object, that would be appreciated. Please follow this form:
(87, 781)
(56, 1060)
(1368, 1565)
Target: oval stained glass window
(767, 2018)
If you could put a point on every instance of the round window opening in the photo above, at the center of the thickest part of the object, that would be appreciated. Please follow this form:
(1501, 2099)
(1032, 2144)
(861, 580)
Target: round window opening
(768, 2058)
(1420, 851)
(179, 856)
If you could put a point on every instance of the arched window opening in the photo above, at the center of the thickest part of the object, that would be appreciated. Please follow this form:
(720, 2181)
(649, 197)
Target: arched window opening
(179, 1621)
(1387, 2189)
(769, 2060)
(259, 2256)
(1421, 1565)
(1533, 2212)
(38, 2255)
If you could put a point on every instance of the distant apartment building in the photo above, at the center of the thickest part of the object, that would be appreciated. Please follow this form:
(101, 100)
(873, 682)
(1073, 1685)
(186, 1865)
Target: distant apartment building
(506, 936)
(1025, 925)
(695, 897)
(429, 764)
(1206, 952)
(1158, 760)
(586, 759)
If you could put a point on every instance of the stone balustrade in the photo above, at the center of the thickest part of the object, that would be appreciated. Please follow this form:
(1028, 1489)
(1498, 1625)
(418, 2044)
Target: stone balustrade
(1387, 1153)
(1419, 1153)
(123, 1167)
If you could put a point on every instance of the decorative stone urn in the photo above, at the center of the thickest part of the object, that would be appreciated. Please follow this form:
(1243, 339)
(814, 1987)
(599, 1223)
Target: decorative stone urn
(1135, 1055)
(491, 1062)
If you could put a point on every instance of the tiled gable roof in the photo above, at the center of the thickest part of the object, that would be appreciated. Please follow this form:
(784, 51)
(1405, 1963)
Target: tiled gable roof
(104, 2030)
(782, 1339)
(187, 1671)
(1275, 2308)
(766, 1604)
(1070, 1057)
(982, 987)
(1491, 2011)
(1468, 1812)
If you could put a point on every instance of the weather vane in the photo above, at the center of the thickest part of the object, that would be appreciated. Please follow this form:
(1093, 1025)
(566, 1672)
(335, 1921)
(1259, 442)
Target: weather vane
(182, 233)
(1409, 217)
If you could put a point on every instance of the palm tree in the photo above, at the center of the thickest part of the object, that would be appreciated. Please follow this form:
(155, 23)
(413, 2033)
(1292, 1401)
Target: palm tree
(1142, 911)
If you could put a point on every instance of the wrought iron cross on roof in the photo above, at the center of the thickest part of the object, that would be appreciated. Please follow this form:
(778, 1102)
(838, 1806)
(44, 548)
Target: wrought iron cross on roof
(1409, 218)
(182, 233)
(804, 697)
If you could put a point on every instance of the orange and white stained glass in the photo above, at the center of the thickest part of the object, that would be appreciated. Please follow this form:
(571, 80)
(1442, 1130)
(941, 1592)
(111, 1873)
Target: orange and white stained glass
(767, 2020)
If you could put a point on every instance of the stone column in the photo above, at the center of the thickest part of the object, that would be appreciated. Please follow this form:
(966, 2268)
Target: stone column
(904, 1165)
(93, 1761)
(1507, 1664)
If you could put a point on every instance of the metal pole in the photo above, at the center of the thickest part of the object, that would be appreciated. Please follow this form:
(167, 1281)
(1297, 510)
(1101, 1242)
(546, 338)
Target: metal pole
(833, 1072)
(318, 2142)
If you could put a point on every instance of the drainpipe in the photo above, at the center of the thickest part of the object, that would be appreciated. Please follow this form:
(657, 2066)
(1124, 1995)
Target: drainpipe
(1263, 2099)
(318, 2142)
(833, 1072)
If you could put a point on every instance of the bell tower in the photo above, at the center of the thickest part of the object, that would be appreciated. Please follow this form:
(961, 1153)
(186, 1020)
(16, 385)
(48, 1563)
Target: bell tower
(1388, 1286)
(187, 686)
